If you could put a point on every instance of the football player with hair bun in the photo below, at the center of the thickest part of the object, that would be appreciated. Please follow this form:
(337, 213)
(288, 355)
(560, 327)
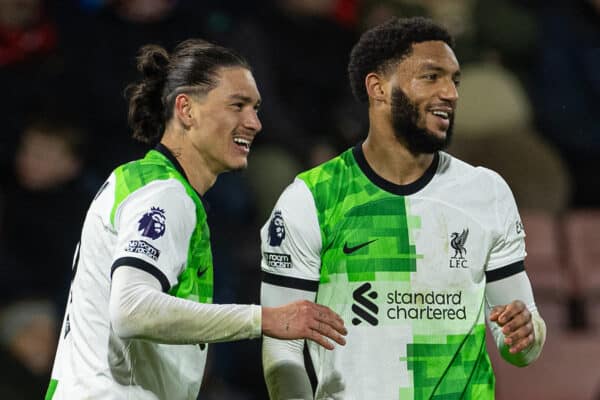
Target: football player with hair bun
(139, 314)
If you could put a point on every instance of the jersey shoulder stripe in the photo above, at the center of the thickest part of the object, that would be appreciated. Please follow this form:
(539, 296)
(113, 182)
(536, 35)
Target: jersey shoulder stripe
(504, 272)
(144, 266)
(290, 282)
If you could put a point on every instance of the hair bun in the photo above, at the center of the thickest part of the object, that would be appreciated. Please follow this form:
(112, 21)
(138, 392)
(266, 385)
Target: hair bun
(153, 61)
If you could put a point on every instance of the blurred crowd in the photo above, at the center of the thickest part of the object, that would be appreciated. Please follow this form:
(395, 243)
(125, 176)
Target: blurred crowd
(530, 85)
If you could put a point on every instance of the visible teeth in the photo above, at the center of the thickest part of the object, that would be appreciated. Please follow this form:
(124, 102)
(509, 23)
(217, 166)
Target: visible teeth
(442, 114)
(242, 142)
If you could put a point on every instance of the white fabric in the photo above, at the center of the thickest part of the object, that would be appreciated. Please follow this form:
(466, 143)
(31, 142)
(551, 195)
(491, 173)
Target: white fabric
(504, 291)
(489, 203)
(509, 246)
(302, 235)
(139, 310)
(96, 361)
(278, 353)
(301, 242)
(459, 197)
(180, 221)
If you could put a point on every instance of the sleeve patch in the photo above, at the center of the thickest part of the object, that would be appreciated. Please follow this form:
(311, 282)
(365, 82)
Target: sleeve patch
(278, 260)
(144, 248)
(153, 223)
(276, 229)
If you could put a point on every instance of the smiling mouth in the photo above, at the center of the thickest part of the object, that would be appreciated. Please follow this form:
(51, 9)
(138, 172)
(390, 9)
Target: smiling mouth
(442, 114)
(244, 143)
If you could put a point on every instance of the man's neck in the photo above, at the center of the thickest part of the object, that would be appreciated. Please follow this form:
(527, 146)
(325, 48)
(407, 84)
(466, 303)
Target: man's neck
(195, 167)
(391, 160)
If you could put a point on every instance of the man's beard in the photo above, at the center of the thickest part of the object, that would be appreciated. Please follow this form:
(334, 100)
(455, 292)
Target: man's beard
(405, 119)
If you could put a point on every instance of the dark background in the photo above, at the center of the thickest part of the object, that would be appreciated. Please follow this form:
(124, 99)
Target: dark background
(528, 110)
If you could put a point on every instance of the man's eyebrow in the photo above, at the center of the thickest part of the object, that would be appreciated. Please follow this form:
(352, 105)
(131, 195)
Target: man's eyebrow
(434, 67)
(245, 99)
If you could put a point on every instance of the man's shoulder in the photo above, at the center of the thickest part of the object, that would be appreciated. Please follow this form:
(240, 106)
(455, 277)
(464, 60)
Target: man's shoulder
(149, 168)
(332, 168)
(145, 179)
(455, 169)
(152, 173)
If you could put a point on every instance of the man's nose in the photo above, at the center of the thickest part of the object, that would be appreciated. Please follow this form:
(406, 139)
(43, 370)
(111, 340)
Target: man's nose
(252, 122)
(449, 92)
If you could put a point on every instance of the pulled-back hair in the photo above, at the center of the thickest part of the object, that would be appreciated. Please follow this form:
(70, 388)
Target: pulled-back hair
(191, 68)
(385, 45)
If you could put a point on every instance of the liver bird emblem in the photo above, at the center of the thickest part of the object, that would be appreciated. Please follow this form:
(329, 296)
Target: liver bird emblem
(458, 243)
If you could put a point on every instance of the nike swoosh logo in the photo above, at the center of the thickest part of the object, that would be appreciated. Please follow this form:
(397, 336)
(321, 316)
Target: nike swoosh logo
(350, 250)
(200, 273)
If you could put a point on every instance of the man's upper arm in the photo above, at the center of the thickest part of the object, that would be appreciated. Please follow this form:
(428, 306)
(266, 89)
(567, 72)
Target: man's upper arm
(508, 249)
(506, 279)
(154, 226)
(291, 248)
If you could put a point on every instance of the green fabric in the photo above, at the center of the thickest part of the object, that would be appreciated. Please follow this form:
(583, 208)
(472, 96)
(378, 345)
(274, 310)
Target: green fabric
(155, 166)
(457, 369)
(353, 211)
(51, 389)
(338, 186)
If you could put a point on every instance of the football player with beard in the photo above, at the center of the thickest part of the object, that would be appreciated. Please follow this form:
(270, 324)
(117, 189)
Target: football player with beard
(414, 248)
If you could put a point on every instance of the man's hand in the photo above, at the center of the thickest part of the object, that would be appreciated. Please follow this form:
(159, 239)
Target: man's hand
(304, 320)
(515, 321)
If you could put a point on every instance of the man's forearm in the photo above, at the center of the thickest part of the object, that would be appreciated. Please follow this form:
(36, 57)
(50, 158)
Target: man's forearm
(284, 370)
(283, 360)
(138, 309)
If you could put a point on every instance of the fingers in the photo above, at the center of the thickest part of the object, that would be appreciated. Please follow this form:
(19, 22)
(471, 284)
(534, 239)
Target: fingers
(329, 317)
(325, 330)
(495, 313)
(320, 339)
(521, 338)
(323, 324)
(515, 320)
(304, 319)
(505, 313)
(327, 324)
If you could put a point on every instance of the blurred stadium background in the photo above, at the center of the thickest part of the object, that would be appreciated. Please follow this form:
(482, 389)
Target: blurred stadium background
(528, 109)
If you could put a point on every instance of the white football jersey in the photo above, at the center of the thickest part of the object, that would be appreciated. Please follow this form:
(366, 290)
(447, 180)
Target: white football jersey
(144, 216)
(406, 268)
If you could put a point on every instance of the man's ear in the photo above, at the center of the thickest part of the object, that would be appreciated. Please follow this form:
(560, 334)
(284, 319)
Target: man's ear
(183, 109)
(376, 88)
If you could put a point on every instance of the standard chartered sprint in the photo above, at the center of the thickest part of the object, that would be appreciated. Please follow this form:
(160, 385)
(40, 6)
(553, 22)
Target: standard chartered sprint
(430, 305)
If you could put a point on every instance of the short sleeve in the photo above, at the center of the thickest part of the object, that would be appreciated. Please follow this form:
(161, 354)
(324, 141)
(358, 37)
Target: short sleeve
(154, 226)
(508, 249)
(291, 240)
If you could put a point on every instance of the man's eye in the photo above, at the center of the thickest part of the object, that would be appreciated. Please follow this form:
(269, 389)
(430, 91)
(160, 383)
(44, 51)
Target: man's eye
(431, 77)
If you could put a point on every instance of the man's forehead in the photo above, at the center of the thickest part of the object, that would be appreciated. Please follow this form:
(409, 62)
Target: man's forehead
(237, 82)
(431, 55)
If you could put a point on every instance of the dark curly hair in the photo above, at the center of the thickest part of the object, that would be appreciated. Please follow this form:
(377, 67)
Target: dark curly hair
(385, 45)
(191, 68)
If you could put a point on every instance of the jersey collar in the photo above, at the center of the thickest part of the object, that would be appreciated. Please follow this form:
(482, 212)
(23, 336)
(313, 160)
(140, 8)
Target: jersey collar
(402, 190)
(162, 149)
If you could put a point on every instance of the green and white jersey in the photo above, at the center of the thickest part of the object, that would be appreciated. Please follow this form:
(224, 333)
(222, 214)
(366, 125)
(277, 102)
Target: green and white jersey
(406, 268)
(147, 216)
